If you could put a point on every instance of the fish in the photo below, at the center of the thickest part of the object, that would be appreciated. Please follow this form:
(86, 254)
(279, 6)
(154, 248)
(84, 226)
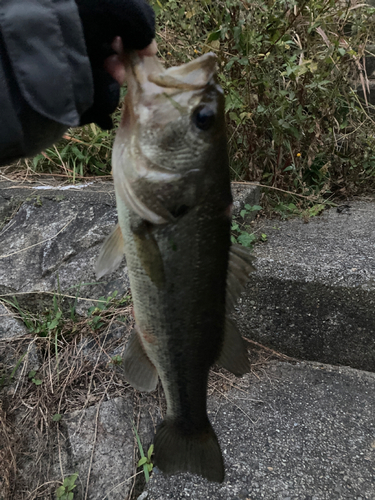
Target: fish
(172, 183)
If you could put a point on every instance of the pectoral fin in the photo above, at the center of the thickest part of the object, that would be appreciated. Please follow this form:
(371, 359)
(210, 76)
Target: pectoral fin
(111, 253)
(136, 366)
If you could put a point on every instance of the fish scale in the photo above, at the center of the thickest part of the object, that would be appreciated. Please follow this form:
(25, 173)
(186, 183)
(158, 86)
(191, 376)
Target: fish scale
(171, 175)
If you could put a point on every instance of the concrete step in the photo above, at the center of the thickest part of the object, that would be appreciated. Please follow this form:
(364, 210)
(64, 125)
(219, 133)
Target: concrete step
(313, 295)
(50, 237)
(293, 431)
(303, 431)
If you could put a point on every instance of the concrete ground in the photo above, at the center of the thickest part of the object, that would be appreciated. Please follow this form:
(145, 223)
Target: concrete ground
(302, 431)
(313, 294)
(296, 430)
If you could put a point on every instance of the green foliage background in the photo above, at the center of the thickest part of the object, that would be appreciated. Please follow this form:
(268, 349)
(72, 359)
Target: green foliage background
(290, 72)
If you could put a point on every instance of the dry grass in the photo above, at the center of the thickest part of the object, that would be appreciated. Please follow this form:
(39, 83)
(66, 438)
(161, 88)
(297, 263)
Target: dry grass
(80, 376)
(33, 445)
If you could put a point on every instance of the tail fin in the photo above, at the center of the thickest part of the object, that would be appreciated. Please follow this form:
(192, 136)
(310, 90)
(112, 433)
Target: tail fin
(200, 454)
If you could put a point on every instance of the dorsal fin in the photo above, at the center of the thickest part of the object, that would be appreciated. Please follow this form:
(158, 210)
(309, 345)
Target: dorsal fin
(233, 356)
(239, 267)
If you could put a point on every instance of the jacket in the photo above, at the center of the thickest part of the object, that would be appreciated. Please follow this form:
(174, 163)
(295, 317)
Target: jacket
(45, 74)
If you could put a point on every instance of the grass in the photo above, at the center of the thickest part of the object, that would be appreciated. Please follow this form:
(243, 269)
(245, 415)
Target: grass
(75, 371)
(32, 414)
(144, 461)
(290, 72)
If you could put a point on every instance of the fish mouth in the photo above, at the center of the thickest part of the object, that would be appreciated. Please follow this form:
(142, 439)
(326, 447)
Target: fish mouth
(147, 77)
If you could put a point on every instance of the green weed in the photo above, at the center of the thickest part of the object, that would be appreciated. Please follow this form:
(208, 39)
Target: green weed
(65, 492)
(290, 73)
(82, 152)
(144, 461)
(35, 380)
(287, 210)
(41, 324)
(103, 308)
(116, 360)
(240, 230)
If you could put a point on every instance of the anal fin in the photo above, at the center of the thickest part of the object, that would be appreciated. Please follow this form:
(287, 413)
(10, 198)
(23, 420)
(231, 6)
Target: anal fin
(111, 253)
(136, 366)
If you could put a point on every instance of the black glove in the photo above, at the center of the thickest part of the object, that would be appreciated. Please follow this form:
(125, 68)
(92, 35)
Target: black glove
(103, 20)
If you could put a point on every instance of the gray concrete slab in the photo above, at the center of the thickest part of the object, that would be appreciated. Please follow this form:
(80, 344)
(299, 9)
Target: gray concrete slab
(51, 242)
(302, 431)
(51, 235)
(299, 431)
(313, 295)
(102, 445)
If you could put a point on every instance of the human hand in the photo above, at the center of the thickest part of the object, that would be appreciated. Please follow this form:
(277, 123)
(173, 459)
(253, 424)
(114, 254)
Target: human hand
(110, 26)
(114, 65)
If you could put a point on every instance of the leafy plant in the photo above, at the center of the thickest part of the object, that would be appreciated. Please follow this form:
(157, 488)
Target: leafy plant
(34, 379)
(287, 210)
(43, 324)
(116, 360)
(289, 70)
(95, 311)
(314, 210)
(240, 230)
(144, 461)
(82, 152)
(65, 492)
(105, 308)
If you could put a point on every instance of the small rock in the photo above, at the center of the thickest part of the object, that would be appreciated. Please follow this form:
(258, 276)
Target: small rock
(143, 496)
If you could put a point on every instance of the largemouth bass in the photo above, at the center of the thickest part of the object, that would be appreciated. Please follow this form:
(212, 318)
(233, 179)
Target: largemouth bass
(171, 176)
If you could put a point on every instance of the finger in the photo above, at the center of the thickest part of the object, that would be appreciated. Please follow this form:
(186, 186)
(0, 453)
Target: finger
(117, 45)
(150, 50)
(115, 68)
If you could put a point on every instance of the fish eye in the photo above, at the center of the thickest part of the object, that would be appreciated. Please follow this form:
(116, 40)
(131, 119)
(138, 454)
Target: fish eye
(203, 117)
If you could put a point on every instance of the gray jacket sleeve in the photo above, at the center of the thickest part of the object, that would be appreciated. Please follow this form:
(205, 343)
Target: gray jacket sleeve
(45, 74)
